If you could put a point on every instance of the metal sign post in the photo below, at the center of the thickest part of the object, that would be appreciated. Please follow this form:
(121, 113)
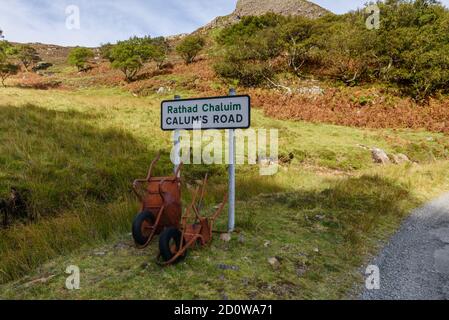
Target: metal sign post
(221, 113)
(177, 144)
(231, 215)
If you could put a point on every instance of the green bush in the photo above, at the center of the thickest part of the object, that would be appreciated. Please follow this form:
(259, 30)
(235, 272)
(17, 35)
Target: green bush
(79, 57)
(130, 56)
(105, 51)
(161, 51)
(7, 66)
(409, 51)
(249, 48)
(296, 36)
(28, 56)
(190, 47)
(412, 46)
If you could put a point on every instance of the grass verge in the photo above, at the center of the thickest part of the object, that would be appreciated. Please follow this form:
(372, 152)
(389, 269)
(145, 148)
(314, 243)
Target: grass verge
(320, 216)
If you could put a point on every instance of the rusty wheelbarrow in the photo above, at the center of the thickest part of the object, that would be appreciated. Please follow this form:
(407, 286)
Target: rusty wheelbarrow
(161, 205)
(174, 242)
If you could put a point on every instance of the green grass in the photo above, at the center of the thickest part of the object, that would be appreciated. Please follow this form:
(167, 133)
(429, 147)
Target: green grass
(78, 151)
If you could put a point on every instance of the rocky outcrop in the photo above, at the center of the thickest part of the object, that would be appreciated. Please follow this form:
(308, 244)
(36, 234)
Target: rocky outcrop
(259, 7)
(283, 7)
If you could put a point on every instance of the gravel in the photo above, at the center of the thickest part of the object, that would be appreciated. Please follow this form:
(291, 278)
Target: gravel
(414, 265)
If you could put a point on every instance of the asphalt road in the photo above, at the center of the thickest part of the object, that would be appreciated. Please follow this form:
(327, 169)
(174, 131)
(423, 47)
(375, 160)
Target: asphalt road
(415, 262)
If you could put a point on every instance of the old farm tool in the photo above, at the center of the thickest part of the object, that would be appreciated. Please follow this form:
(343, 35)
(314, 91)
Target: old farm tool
(161, 205)
(174, 242)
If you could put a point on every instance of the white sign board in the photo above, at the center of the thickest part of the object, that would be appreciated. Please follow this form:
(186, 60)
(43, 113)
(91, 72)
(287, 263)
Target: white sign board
(230, 112)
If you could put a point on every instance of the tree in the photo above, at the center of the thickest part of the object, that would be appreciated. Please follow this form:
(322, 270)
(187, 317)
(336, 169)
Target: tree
(412, 47)
(296, 36)
(190, 47)
(160, 52)
(105, 50)
(129, 56)
(249, 49)
(79, 57)
(28, 56)
(7, 68)
(250, 60)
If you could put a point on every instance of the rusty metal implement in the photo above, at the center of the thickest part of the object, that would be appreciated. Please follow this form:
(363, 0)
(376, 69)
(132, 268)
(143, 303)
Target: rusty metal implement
(161, 205)
(175, 241)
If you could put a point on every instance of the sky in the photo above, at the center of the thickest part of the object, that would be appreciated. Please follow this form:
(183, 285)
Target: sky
(102, 21)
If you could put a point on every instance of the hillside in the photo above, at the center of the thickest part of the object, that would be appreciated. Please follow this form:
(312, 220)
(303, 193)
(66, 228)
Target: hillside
(259, 7)
(77, 151)
(76, 139)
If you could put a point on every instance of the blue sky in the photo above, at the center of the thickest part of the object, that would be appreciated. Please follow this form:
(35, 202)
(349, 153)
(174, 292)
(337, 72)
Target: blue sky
(104, 21)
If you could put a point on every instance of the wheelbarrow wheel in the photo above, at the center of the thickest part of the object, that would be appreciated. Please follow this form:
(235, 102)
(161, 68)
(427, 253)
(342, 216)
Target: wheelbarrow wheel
(170, 243)
(142, 227)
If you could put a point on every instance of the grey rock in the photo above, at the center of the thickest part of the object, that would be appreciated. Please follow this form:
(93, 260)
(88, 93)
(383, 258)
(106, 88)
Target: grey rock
(225, 237)
(400, 158)
(274, 262)
(380, 156)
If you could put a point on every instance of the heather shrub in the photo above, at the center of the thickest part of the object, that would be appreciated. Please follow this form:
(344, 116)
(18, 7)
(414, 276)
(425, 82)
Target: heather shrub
(408, 51)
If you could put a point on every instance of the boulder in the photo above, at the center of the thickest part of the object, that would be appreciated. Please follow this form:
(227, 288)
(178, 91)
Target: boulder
(274, 262)
(400, 158)
(225, 237)
(380, 156)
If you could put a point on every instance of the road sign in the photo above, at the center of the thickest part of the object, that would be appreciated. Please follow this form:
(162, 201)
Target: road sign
(230, 112)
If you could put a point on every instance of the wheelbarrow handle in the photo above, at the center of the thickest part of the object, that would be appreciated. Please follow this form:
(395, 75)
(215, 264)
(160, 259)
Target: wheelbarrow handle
(220, 209)
(147, 179)
(153, 163)
(178, 170)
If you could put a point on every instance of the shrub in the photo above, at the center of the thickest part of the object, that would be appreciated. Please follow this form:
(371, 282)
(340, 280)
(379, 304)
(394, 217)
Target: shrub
(7, 70)
(28, 56)
(246, 73)
(409, 51)
(249, 48)
(131, 55)
(161, 48)
(296, 36)
(7, 67)
(347, 51)
(412, 46)
(105, 51)
(248, 26)
(79, 57)
(190, 47)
